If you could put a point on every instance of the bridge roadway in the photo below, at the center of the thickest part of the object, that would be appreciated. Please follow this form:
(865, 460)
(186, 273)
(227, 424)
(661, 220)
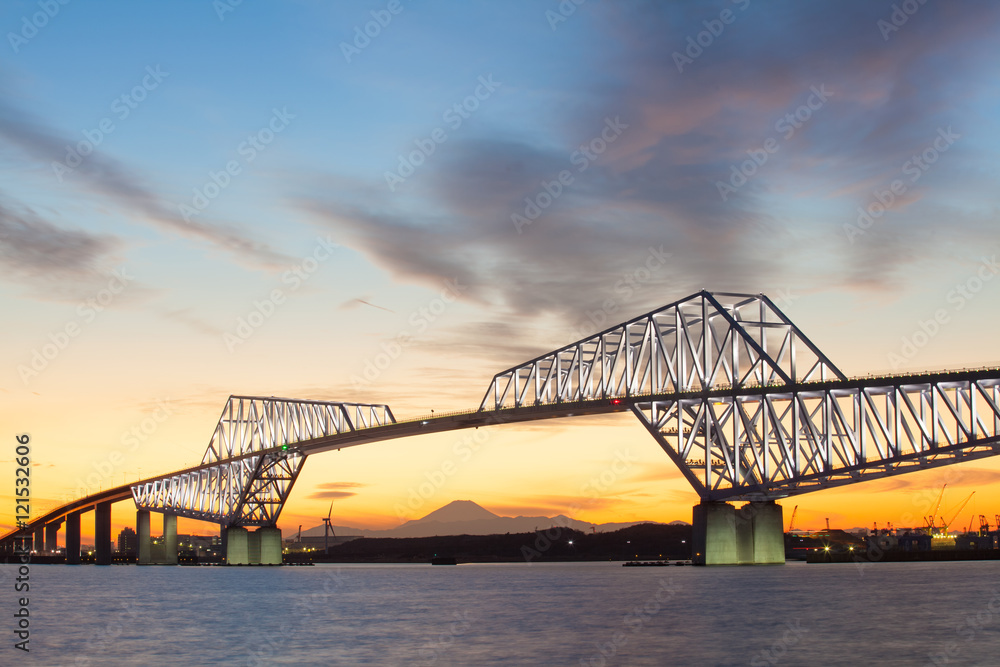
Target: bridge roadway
(419, 426)
(100, 502)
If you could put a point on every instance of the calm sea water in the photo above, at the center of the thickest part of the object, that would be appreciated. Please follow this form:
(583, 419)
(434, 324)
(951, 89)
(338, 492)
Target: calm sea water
(537, 614)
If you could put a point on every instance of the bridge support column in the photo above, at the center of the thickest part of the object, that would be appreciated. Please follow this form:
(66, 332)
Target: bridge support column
(768, 533)
(751, 535)
(73, 538)
(142, 535)
(52, 536)
(714, 534)
(253, 547)
(169, 539)
(270, 545)
(38, 540)
(744, 535)
(102, 533)
(236, 546)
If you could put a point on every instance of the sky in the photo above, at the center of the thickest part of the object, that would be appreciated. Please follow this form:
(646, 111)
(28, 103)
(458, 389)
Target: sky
(391, 202)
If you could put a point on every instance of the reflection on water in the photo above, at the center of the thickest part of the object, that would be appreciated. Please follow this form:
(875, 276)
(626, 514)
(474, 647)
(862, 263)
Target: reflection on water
(552, 614)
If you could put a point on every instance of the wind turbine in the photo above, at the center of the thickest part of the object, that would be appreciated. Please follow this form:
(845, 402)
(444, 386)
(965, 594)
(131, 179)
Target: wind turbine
(327, 529)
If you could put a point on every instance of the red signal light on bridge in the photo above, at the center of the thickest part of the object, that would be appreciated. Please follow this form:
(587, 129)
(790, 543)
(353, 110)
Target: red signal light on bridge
(616, 401)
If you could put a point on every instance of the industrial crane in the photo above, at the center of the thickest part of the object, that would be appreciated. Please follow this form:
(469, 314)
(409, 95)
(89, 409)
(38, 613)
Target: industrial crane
(932, 519)
(791, 522)
(945, 524)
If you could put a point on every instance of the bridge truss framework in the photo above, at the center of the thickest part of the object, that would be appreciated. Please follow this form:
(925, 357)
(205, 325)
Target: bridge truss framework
(251, 464)
(738, 397)
(748, 408)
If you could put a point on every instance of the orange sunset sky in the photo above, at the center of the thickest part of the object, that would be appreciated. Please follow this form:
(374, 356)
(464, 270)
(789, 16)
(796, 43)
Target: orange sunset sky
(194, 206)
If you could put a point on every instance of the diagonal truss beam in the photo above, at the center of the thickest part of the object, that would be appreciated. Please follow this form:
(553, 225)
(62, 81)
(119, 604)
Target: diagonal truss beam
(243, 480)
(768, 443)
(703, 341)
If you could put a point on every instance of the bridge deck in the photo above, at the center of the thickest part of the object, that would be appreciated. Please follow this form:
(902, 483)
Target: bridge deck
(425, 425)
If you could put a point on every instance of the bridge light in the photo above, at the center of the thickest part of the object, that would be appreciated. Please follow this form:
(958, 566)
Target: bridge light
(616, 401)
(284, 448)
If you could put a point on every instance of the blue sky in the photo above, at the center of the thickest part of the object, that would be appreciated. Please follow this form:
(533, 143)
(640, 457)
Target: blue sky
(651, 113)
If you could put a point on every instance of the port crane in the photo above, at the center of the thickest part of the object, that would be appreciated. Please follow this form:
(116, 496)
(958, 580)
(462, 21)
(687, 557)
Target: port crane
(932, 519)
(791, 522)
(945, 524)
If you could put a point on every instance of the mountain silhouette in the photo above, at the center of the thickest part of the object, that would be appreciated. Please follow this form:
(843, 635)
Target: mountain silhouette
(465, 517)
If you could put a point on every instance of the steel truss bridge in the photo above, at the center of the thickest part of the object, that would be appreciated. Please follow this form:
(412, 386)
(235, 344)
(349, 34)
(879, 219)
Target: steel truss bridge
(744, 404)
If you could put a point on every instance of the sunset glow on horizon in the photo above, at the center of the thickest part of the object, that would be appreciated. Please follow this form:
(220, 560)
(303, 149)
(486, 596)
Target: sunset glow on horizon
(286, 201)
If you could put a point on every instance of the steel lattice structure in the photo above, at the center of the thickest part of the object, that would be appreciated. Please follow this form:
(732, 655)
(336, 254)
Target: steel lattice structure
(703, 341)
(774, 442)
(252, 462)
(748, 408)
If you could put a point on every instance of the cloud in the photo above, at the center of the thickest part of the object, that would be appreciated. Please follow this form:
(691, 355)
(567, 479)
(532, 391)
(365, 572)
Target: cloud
(35, 248)
(334, 490)
(188, 318)
(116, 181)
(53, 262)
(335, 495)
(655, 184)
(952, 476)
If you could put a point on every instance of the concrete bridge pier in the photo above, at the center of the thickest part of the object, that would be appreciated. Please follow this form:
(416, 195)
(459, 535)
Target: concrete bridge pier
(270, 545)
(253, 547)
(751, 535)
(237, 549)
(160, 554)
(73, 538)
(38, 540)
(102, 533)
(142, 537)
(52, 536)
(260, 547)
(169, 539)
